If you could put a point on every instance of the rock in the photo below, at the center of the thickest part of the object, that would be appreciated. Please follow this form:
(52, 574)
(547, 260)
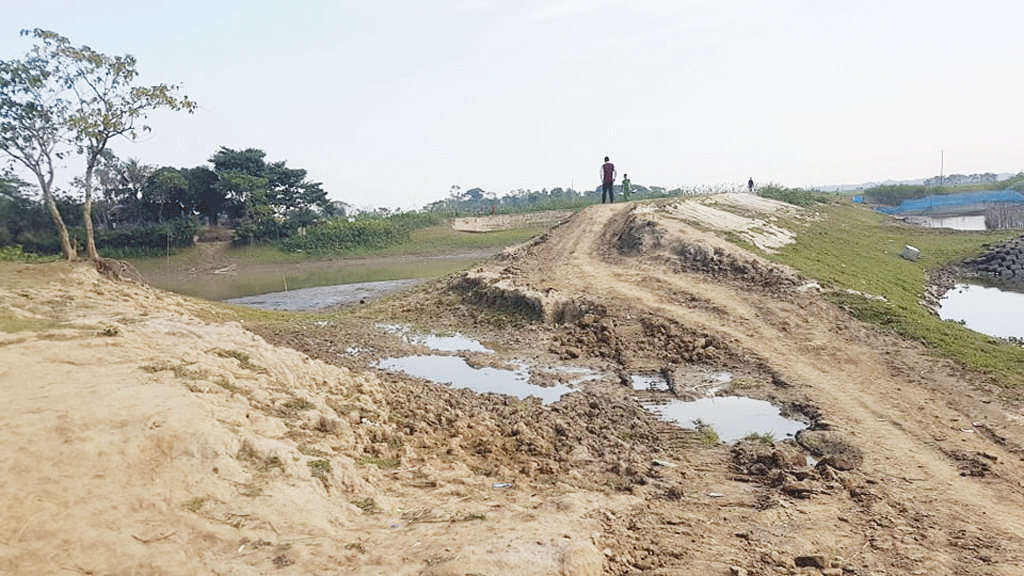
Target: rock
(831, 448)
(799, 488)
(812, 560)
(737, 571)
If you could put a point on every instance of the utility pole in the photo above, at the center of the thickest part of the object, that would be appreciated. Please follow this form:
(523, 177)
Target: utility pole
(942, 162)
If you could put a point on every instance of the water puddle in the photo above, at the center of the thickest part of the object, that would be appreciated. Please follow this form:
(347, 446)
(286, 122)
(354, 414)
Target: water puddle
(985, 309)
(454, 371)
(964, 222)
(450, 343)
(731, 417)
(650, 383)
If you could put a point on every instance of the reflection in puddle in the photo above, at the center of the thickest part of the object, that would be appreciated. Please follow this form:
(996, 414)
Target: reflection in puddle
(983, 309)
(454, 343)
(650, 383)
(732, 417)
(453, 370)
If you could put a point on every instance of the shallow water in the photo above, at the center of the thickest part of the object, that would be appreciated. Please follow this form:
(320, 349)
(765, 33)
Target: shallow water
(969, 222)
(451, 343)
(454, 371)
(985, 309)
(308, 299)
(731, 417)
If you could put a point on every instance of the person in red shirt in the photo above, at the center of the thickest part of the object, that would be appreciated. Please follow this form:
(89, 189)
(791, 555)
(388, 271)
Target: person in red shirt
(607, 181)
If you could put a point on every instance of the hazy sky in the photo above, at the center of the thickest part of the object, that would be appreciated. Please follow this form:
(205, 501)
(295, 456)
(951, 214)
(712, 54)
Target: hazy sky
(390, 103)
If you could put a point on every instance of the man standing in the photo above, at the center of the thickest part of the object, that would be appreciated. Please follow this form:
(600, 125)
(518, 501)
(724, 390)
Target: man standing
(750, 185)
(607, 181)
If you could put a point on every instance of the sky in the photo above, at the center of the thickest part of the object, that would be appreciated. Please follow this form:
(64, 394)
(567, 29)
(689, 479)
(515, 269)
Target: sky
(391, 103)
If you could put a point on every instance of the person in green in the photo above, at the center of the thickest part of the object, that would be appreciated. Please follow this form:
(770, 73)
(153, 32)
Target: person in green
(627, 189)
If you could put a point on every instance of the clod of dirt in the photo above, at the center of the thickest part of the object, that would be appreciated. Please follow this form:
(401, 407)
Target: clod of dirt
(831, 448)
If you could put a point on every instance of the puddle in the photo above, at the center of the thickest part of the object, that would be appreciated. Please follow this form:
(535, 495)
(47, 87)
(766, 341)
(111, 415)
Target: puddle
(731, 417)
(984, 309)
(454, 371)
(452, 343)
(650, 383)
(968, 222)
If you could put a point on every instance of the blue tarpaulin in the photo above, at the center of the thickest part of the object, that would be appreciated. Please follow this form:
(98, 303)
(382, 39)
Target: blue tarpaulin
(983, 197)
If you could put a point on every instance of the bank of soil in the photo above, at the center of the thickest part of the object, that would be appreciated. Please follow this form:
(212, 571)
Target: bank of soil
(150, 436)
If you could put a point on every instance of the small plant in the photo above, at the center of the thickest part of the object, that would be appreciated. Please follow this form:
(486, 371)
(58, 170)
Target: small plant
(195, 504)
(367, 505)
(298, 404)
(470, 517)
(242, 358)
(225, 384)
(439, 560)
(310, 451)
(706, 434)
(386, 463)
(766, 438)
(321, 470)
(356, 547)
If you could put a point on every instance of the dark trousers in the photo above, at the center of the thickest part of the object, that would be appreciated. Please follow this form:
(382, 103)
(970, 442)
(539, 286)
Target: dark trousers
(608, 191)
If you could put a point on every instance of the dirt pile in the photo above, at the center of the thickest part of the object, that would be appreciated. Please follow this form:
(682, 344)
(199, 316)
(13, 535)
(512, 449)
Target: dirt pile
(150, 435)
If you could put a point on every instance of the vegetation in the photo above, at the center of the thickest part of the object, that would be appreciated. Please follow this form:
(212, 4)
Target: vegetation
(62, 99)
(856, 253)
(796, 196)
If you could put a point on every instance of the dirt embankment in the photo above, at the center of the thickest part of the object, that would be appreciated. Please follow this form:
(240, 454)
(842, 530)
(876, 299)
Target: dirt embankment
(145, 436)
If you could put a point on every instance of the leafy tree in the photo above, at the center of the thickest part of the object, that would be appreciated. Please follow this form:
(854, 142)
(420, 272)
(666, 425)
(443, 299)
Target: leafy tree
(207, 199)
(167, 190)
(66, 96)
(263, 194)
(33, 114)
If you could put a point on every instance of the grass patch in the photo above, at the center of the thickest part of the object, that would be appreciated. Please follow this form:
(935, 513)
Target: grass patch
(855, 249)
(706, 435)
(321, 470)
(764, 438)
(383, 463)
(298, 404)
(243, 359)
(195, 504)
(367, 505)
(180, 371)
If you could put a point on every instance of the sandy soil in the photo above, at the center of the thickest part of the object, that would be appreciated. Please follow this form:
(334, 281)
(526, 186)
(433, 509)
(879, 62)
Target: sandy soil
(146, 435)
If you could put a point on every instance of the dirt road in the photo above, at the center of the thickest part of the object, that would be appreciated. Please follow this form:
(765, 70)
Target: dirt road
(229, 455)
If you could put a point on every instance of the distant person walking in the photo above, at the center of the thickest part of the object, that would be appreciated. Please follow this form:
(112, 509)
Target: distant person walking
(750, 185)
(627, 187)
(607, 181)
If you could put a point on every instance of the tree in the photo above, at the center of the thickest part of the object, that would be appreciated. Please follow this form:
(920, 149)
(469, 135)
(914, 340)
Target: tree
(167, 189)
(106, 104)
(257, 190)
(33, 114)
(202, 189)
(63, 95)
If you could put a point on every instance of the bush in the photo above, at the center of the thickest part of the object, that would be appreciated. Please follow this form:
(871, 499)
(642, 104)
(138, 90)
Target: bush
(144, 240)
(797, 196)
(345, 236)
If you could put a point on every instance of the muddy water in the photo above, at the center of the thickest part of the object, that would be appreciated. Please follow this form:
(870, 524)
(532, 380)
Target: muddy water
(968, 222)
(731, 417)
(985, 309)
(309, 299)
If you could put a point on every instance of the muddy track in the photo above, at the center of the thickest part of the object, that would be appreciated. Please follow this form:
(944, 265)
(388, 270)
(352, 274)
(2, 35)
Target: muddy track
(908, 465)
(938, 490)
